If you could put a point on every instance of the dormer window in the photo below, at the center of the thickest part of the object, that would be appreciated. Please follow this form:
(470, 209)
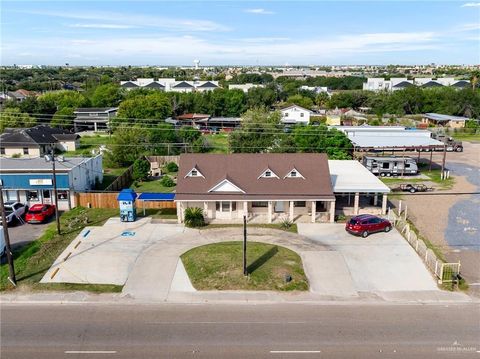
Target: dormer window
(194, 172)
(294, 174)
(268, 173)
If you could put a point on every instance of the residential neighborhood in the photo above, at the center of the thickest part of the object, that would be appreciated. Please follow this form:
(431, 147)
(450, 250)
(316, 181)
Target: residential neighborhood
(235, 179)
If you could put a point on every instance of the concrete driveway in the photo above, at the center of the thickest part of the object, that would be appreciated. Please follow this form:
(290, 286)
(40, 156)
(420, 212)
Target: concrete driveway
(107, 254)
(383, 262)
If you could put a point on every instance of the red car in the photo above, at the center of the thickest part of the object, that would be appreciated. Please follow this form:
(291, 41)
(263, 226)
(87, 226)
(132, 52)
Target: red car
(39, 213)
(365, 224)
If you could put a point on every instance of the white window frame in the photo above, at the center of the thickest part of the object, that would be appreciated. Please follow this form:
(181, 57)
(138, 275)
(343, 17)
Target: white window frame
(190, 173)
(263, 175)
(298, 174)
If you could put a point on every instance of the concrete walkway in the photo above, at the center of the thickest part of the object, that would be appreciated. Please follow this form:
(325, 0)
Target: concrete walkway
(154, 271)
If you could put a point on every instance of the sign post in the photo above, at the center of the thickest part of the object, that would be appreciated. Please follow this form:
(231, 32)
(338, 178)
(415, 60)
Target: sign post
(245, 272)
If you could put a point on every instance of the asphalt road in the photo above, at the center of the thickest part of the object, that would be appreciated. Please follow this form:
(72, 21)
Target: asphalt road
(240, 331)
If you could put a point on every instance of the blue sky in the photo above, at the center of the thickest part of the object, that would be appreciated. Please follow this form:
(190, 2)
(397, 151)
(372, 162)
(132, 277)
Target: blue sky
(239, 32)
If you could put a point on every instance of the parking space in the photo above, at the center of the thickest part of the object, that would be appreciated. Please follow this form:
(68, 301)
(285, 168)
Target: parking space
(382, 262)
(24, 233)
(106, 254)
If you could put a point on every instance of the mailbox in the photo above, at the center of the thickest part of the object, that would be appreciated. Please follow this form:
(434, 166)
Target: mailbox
(126, 202)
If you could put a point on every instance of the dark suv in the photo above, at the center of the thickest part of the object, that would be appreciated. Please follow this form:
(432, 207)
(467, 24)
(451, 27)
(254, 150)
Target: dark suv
(365, 224)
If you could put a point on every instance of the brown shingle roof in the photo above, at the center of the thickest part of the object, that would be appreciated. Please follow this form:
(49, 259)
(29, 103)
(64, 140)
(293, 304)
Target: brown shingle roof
(243, 170)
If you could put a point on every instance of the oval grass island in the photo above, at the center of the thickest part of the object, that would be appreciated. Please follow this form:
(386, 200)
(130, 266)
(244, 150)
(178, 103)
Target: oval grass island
(219, 266)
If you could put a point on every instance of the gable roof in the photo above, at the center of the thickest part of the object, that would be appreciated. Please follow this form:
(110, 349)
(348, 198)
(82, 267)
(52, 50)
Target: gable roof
(208, 84)
(34, 136)
(432, 84)
(244, 169)
(462, 84)
(295, 106)
(183, 84)
(155, 85)
(95, 109)
(404, 84)
(129, 84)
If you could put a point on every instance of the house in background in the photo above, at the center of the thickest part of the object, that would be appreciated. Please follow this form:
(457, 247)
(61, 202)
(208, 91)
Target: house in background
(30, 180)
(295, 115)
(438, 119)
(264, 187)
(170, 85)
(93, 118)
(244, 87)
(36, 141)
(400, 83)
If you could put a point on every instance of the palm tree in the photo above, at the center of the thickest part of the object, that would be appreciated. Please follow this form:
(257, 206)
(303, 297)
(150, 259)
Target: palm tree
(474, 78)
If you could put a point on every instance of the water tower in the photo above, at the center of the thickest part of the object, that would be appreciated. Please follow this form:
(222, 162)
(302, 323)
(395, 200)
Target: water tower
(196, 62)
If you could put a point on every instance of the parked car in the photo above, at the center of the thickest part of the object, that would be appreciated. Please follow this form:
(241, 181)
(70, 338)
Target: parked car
(365, 224)
(39, 213)
(14, 210)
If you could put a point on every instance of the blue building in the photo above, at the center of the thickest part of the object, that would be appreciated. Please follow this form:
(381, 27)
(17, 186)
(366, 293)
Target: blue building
(30, 180)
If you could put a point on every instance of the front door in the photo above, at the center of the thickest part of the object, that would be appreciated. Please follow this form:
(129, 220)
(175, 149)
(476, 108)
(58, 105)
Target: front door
(46, 196)
(279, 207)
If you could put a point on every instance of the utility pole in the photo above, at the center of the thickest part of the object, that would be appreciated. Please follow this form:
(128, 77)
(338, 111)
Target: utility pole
(11, 267)
(55, 190)
(245, 272)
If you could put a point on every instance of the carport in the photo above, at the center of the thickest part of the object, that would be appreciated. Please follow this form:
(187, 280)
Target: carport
(155, 197)
(356, 189)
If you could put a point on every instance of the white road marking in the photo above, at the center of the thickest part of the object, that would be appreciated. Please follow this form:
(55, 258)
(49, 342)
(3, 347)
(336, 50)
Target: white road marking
(227, 322)
(90, 352)
(294, 351)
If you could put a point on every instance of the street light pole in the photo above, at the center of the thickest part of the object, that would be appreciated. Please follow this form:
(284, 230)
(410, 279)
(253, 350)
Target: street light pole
(245, 271)
(54, 181)
(8, 248)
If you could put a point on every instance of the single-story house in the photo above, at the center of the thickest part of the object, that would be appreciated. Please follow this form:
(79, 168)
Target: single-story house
(36, 141)
(295, 115)
(264, 187)
(30, 180)
(170, 84)
(94, 118)
(444, 120)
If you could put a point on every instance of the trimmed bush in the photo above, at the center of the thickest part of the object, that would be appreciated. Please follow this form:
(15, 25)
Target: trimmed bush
(171, 167)
(193, 217)
(167, 181)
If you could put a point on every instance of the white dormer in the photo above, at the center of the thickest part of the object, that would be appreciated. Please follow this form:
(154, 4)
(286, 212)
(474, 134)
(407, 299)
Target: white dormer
(226, 186)
(294, 174)
(268, 173)
(194, 172)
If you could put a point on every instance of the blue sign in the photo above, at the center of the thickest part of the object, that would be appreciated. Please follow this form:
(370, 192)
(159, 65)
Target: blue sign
(128, 234)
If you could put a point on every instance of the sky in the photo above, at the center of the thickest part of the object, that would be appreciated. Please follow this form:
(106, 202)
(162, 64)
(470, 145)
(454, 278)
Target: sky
(239, 32)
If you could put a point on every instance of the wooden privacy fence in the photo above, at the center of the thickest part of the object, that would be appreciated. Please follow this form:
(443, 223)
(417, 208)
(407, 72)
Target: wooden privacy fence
(109, 200)
(122, 181)
(445, 272)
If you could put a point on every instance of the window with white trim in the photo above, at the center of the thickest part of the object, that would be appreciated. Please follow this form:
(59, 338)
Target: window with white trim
(194, 172)
(294, 174)
(268, 173)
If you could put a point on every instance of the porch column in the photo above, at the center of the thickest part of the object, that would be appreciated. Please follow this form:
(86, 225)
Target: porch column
(384, 203)
(269, 212)
(375, 199)
(332, 211)
(245, 209)
(205, 209)
(231, 203)
(356, 202)
(291, 206)
(314, 211)
(95, 126)
(179, 212)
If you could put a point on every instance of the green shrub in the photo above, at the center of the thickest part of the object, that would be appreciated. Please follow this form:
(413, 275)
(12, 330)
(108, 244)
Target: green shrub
(167, 181)
(141, 169)
(193, 217)
(171, 167)
(286, 224)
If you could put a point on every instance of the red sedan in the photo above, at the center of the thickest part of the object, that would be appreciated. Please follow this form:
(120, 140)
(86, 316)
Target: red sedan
(39, 213)
(365, 224)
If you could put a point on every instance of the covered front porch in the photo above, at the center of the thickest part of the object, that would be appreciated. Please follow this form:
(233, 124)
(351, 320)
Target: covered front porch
(352, 204)
(262, 211)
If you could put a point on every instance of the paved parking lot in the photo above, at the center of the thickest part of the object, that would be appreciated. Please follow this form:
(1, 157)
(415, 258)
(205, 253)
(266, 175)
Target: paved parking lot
(382, 262)
(22, 234)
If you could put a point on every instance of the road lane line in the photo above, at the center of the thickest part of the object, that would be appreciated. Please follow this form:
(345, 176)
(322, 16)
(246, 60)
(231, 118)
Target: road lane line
(295, 351)
(90, 352)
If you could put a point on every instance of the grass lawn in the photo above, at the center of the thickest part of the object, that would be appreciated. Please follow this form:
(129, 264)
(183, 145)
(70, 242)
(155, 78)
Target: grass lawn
(110, 175)
(219, 142)
(433, 176)
(162, 213)
(34, 259)
(88, 143)
(151, 186)
(218, 266)
(468, 137)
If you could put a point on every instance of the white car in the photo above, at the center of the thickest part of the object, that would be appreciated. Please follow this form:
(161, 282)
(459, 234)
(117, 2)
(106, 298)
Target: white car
(14, 210)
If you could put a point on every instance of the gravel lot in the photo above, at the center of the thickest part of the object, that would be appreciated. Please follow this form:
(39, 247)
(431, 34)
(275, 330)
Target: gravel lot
(452, 221)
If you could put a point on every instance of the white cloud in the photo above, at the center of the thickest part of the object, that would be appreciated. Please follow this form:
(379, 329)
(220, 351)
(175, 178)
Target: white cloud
(259, 11)
(102, 26)
(469, 27)
(136, 20)
(471, 4)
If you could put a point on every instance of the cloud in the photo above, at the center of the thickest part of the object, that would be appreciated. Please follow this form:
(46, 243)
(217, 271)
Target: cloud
(469, 27)
(259, 11)
(138, 20)
(471, 4)
(102, 26)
